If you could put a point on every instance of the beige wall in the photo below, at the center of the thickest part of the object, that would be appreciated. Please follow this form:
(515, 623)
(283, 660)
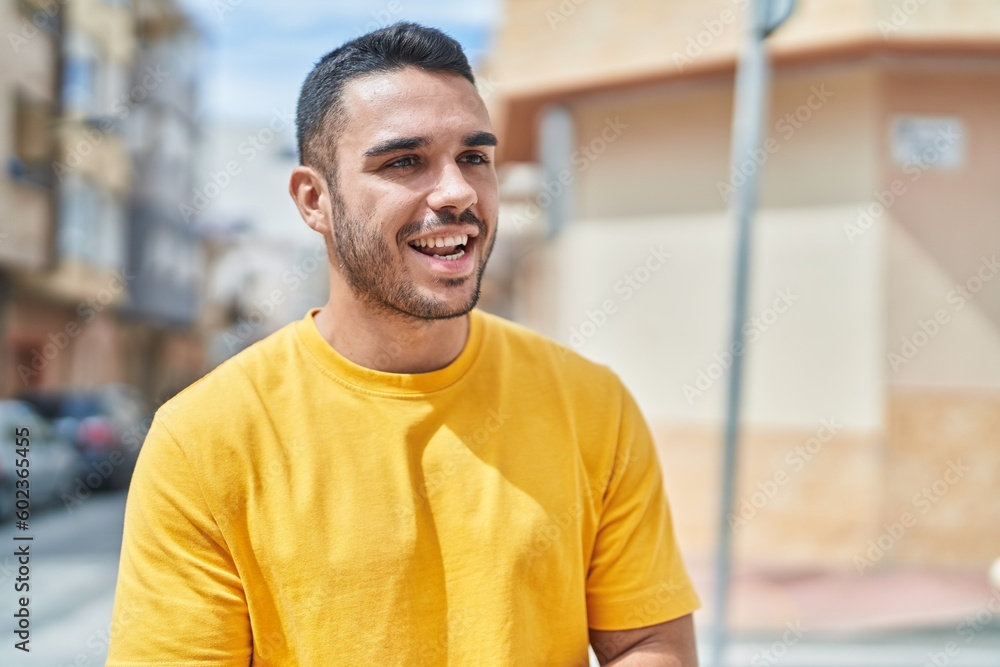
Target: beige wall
(77, 346)
(27, 66)
(25, 215)
(546, 42)
(29, 54)
(924, 492)
(858, 294)
(561, 43)
(673, 156)
(957, 512)
(942, 227)
(98, 153)
(973, 19)
(113, 27)
(95, 155)
(964, 348)
(820, 358)
(672, 152)
(815, 509)
(943, 383)
(657, 185)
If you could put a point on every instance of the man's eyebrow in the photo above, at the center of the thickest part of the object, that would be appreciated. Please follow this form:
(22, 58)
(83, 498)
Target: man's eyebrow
(480, 139)
(393, 145)
(409, 143)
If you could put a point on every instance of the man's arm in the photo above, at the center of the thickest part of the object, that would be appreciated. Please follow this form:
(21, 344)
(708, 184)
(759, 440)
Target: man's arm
(639, 596)
(179, 599)
(669, 644)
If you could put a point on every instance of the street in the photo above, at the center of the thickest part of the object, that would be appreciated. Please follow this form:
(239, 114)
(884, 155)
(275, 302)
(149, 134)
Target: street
(915, 650)
(73, 565)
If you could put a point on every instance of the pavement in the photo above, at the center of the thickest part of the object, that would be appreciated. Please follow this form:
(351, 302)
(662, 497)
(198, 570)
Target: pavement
(73, 567)
(906, 616)
(838, 602)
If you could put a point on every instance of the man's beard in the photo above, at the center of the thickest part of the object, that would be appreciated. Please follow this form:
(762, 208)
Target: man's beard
(366, 262)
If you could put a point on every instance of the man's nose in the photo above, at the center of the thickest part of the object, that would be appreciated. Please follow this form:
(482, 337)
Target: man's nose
(452, 189)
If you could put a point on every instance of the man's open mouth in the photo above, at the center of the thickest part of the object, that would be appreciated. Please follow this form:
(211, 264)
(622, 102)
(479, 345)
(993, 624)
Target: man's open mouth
(447, 248)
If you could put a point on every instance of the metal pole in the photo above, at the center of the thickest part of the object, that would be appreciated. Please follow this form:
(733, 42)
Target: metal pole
(749, 111)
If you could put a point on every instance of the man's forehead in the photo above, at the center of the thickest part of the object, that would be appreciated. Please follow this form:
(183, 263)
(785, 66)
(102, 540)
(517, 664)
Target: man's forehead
(389, 101)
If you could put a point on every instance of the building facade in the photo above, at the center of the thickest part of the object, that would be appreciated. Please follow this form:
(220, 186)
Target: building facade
(166, 252)
(89, 137)
(872, 379)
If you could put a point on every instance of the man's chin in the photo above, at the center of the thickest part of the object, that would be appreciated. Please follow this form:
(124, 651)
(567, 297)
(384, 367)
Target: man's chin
(446, 309)
(440, 303)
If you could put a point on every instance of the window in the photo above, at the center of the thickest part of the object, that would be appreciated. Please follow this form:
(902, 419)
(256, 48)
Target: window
(110, 243)
(91, 224)
(81, 73)
(32, 141)
(80, 86)
(44, 15)
(77, 218)
(22, 373)
(114, 90)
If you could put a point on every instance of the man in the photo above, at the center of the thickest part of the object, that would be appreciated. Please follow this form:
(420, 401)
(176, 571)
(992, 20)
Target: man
(399, 479)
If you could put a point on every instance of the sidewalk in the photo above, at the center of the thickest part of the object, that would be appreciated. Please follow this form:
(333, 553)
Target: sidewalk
(844, 603)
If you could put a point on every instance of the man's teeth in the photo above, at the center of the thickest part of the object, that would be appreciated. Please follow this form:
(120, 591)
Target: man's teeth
(452, 257)
(441, 241)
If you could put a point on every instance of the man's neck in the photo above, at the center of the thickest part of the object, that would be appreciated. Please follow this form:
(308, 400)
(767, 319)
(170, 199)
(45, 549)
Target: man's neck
(391, 344)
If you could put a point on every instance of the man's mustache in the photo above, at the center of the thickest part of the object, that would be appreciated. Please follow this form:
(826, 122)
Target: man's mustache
(441, 219)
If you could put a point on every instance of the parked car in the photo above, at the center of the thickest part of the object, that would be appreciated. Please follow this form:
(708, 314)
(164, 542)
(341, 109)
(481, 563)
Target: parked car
(53, 463)
(107, 425)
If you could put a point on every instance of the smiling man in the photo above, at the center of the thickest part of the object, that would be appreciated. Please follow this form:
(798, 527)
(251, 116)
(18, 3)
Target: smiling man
(398, 478)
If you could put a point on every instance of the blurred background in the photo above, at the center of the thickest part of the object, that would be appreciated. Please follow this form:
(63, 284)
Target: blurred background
(146, 235)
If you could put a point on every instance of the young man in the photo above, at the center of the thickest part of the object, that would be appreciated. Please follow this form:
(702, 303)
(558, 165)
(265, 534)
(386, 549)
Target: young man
(398, 479)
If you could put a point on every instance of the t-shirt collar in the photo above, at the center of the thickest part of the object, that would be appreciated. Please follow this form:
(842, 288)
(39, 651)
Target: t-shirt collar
(358, 377)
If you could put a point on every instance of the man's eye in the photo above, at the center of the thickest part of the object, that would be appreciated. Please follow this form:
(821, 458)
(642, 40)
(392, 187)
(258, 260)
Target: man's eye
(476, 158)
(402, 162)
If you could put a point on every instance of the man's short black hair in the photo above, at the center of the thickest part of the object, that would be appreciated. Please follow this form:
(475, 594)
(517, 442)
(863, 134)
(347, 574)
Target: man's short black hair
(403, 44)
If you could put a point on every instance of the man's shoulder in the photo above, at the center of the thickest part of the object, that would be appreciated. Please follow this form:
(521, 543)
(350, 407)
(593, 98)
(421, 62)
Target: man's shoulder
(234, 382)
(539, 353)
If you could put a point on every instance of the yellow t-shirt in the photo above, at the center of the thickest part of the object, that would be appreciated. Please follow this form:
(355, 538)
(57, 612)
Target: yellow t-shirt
(296, 508)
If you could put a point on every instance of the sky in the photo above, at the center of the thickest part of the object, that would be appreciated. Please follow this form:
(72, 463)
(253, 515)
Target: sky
(257, 52)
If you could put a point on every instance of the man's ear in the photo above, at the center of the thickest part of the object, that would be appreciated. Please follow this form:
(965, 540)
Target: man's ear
(311, 194)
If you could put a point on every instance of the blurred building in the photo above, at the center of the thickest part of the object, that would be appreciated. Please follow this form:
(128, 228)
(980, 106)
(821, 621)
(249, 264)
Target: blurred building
(99, 96)
(268, 267)
(166, 254)
(872, 385)
(29, 90)
(29, 76)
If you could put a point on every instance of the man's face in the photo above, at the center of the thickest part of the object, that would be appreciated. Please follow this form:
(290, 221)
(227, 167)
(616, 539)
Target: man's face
(415, 192)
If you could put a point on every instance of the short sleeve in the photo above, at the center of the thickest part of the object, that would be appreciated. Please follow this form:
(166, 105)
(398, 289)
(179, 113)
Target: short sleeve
(179, 599)
(637, 577)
